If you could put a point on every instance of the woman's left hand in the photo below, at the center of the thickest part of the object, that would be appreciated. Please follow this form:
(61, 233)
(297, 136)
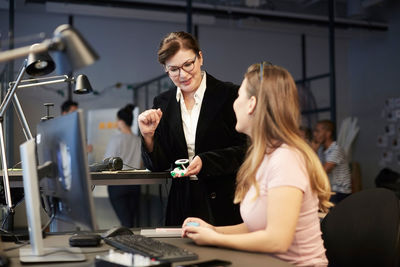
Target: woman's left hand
(194, 167)
(201, 235)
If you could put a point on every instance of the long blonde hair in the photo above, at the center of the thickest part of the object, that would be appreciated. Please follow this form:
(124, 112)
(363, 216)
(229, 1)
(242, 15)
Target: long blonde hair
(276, 122)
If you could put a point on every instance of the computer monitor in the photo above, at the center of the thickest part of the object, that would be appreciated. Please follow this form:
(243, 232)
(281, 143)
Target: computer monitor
(60, 141)
(68, 188)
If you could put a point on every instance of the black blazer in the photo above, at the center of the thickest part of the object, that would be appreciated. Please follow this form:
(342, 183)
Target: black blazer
(217, 143)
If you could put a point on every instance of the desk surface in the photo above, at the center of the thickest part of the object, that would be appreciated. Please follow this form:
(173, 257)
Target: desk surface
(238, 258)
(107, 178)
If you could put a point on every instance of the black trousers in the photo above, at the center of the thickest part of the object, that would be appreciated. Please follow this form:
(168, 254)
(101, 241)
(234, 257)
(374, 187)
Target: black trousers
(125, 199)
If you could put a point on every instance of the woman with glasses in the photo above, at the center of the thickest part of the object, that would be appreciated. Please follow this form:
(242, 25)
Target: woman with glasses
(194, 121)
(281, 184)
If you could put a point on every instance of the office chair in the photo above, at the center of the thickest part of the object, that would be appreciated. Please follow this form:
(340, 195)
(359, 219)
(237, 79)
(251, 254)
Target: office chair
(363, 230)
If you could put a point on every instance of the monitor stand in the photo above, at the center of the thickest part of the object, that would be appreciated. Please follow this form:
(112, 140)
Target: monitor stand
(36, 252)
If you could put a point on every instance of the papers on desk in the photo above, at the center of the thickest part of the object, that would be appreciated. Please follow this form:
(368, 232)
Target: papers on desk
(162, 232)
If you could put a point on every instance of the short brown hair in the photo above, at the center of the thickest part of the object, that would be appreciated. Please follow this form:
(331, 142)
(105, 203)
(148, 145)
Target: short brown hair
(173, 42)
(329, 126)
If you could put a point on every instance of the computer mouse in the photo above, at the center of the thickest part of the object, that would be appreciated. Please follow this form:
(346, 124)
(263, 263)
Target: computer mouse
(192, 224)
(119, 230)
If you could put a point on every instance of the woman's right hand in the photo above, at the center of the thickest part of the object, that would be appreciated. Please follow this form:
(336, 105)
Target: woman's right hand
(148, 121)
(201, 223)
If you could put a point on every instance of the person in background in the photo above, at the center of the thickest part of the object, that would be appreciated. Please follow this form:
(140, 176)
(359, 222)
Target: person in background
(333, 159)
(70, 106)
(194, 121)
(281, 184)
(125, 199)
(306, 134)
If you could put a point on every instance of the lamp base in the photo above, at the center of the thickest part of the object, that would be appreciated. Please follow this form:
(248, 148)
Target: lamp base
(55, 254)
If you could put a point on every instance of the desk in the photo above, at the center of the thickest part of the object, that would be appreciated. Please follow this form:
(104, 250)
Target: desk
(108, 178)
(238, 258)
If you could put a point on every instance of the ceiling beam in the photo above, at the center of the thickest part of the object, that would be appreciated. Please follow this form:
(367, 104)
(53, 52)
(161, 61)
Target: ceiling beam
(229, 12)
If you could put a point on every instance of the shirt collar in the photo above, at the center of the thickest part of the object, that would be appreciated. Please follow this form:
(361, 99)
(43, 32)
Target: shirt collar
(199, 94)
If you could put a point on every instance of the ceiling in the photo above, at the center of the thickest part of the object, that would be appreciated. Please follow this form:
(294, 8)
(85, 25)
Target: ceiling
(366, 12)
(360, 9)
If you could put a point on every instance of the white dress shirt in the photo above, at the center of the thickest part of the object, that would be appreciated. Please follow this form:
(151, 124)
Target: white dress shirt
(191, 117)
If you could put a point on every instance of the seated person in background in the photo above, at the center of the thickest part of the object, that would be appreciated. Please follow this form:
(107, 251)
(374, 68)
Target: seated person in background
(281, 184)
(306, 134)
(333, 159)
(124, 144)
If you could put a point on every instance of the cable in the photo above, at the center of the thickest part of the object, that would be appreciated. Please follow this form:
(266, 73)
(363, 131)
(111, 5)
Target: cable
(48, 222)
(19, 246)
(15, 237)
(13, 167)
(131, 168)
(8, 213)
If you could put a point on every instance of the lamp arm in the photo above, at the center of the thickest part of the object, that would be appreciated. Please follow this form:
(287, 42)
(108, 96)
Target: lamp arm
(67, 79)
(24, 51)
(8, 97)
(39, 79)
(54, 43)
(3, 107)
(22, 118)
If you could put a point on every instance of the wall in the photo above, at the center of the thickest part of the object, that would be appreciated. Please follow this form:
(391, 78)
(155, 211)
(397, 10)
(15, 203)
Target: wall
(127, 49)
(373, 77)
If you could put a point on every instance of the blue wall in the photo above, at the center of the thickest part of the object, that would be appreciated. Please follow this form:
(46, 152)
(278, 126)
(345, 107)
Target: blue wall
(366, 63)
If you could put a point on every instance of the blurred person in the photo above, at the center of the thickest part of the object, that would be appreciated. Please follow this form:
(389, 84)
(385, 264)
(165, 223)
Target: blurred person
(306, 134)
(333, 159)
(125, 199)
(194, 121)
(281, 184)
(69, 106)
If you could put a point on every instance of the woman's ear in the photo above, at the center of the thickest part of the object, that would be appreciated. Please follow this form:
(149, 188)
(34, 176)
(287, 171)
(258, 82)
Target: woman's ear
(252, 105)
(201, 58)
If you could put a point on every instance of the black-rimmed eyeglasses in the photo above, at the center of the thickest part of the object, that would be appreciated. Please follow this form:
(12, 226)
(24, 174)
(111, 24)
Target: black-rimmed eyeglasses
(174, 71)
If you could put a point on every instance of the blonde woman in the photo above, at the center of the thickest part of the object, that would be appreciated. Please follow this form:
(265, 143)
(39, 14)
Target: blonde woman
(281, 184)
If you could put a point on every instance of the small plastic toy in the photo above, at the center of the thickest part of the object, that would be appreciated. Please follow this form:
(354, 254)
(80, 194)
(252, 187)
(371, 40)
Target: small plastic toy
(192, 224)
(180, 170)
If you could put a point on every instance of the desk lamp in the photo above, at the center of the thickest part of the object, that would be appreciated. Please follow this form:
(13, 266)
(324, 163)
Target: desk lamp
(70, 48)
(36, 64)
(68, 45)
(82, 86)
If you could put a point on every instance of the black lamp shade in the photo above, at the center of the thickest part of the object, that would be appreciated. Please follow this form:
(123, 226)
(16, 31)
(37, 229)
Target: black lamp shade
(39, 64)
(73, 48)
(82, 85)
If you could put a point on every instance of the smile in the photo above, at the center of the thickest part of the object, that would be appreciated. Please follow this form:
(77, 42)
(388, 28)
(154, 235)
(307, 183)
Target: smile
(186, 82)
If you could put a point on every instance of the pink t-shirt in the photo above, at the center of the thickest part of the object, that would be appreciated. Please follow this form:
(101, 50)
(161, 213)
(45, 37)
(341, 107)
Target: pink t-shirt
(286, 167)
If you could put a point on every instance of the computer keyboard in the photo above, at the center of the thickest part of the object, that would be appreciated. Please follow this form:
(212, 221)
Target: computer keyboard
(149, 247)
